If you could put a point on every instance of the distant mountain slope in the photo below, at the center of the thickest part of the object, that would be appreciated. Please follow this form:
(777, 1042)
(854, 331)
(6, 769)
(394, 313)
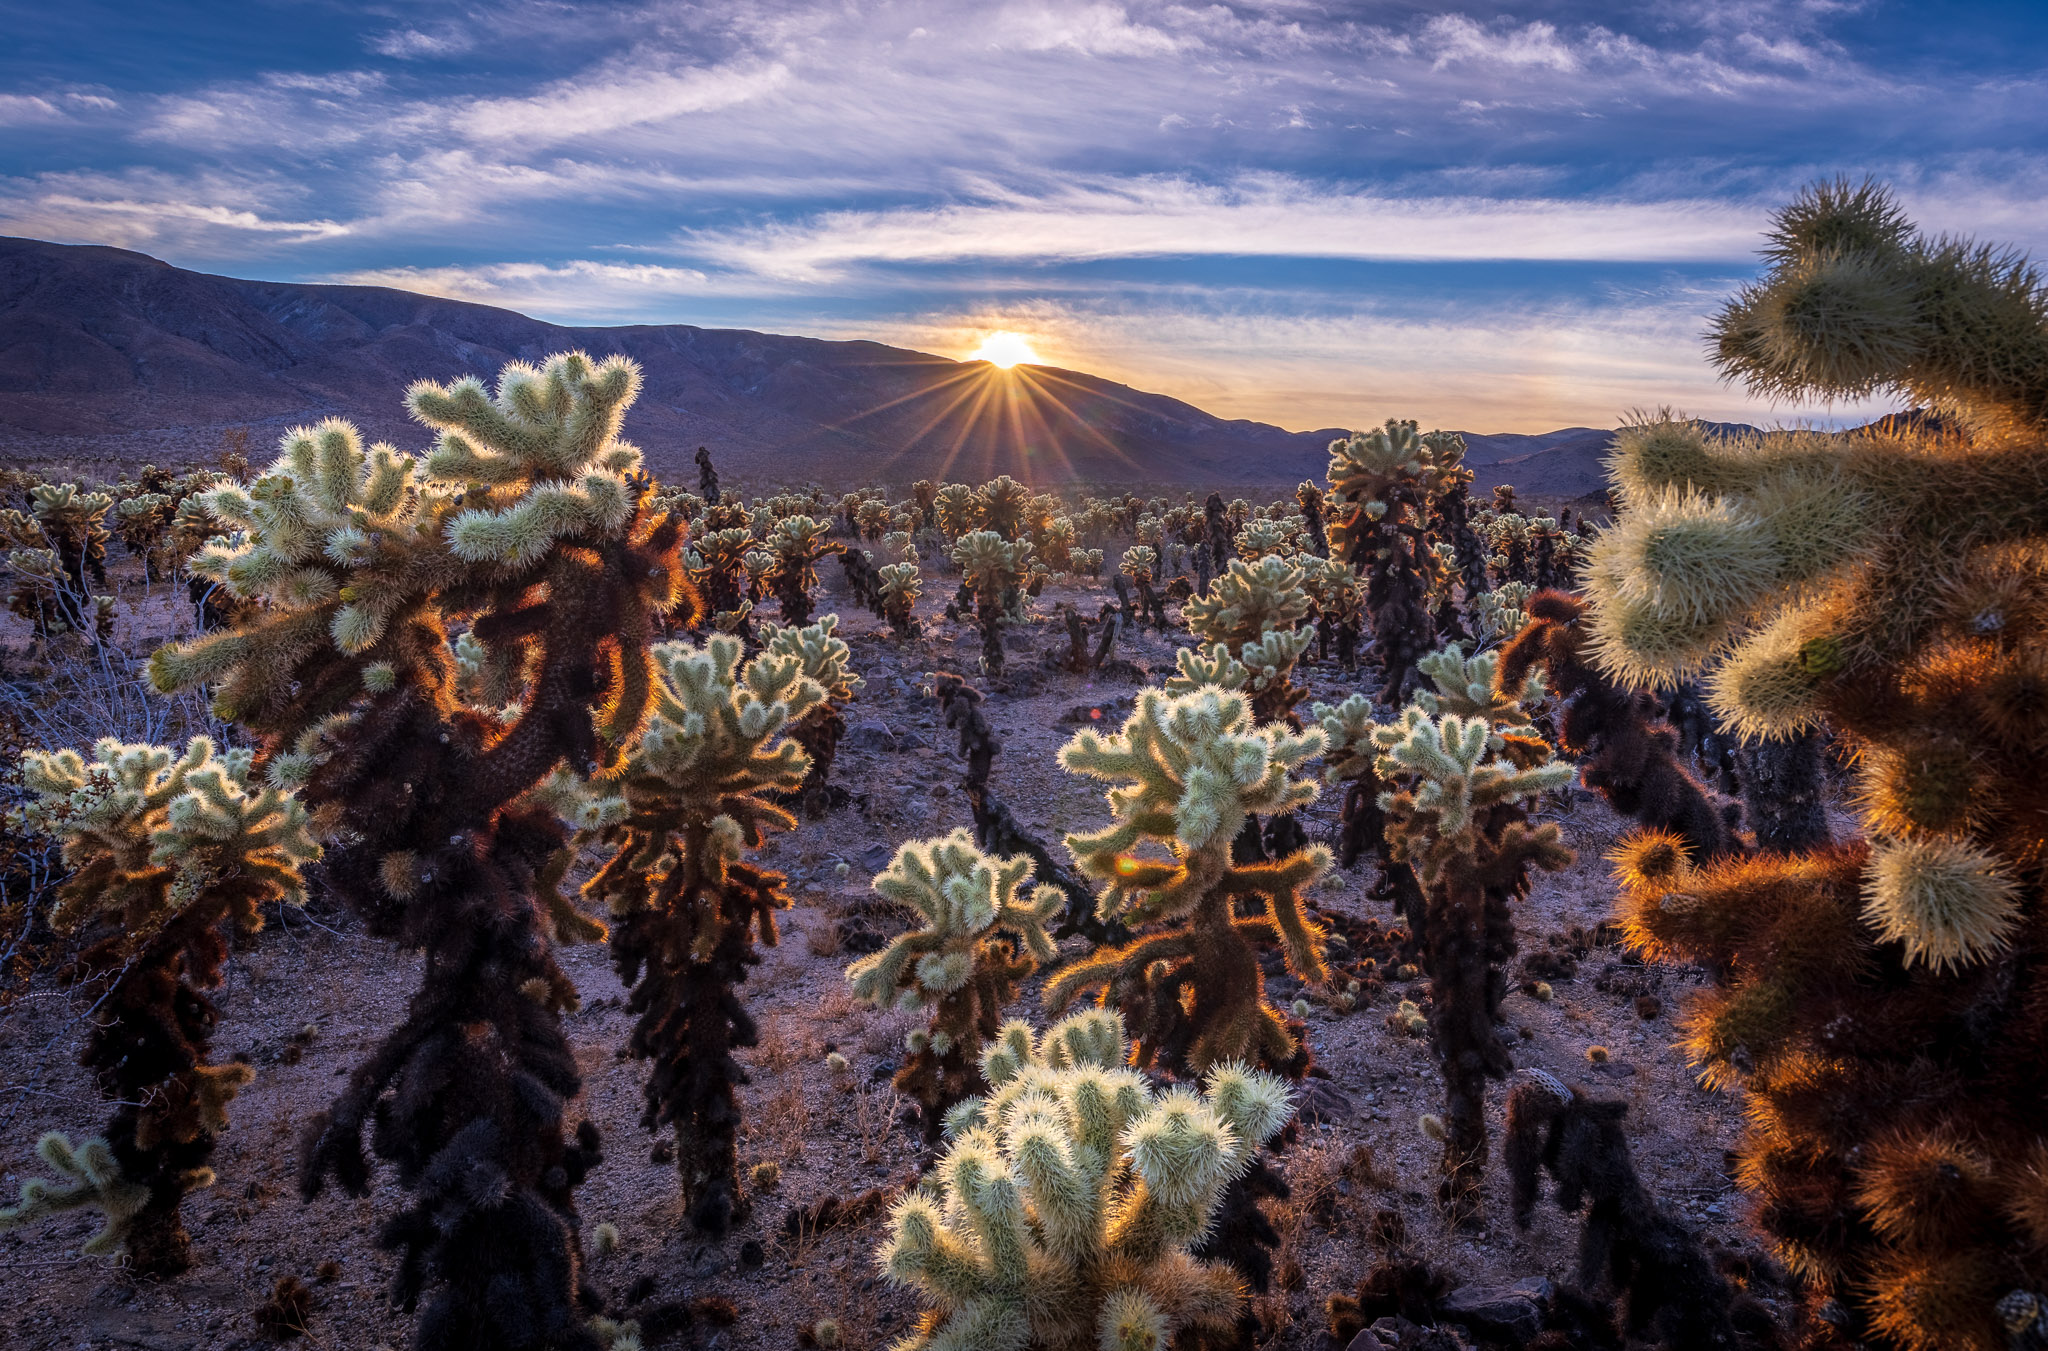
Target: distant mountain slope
(110, 354)
(106, 352)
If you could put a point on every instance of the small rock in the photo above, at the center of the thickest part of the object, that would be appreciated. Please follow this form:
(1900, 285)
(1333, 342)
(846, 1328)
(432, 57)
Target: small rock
(876, 857)
(1511, 1313)
(871, 735)
(909, 740)
(1324, 1104)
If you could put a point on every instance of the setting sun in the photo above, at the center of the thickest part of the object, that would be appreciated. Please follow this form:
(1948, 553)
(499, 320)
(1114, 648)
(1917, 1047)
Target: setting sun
(1005, 349)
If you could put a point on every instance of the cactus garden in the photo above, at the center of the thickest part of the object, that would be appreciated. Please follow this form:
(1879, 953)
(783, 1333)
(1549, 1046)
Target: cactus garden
(483, 895)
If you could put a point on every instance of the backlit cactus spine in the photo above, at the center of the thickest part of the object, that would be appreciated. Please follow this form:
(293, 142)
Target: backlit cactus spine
(1064, 1213)
(1880, 999)
(168, 854)
(957, 965)
(1189, 768)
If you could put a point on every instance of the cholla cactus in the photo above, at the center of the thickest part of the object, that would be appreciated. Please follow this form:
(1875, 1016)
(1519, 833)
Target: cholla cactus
(1001, 504)
(57, 554)
(1454, 789)
(165, 852)
(529, 525)
(1877, 997)
(900, 587)
(1245, 609)
(1381, 480)
(1261, 538)
(823, 657)
(871, 518)
(995, 571)
(957, 510)
(1190, 768)
(1064, 1213)
(1339, 596)
(718, 568)
(1498, 615)
(680, 815)
(1141, 564)
(954, 965)
(797, 543)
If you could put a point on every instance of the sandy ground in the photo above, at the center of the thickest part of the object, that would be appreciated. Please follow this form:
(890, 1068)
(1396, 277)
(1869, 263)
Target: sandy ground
(312, 996)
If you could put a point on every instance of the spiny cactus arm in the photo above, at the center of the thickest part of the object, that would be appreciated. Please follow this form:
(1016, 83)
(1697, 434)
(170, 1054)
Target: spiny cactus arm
(1467, 686)
(95, 1180)
(1280, 883)
(822, 655)
(1105, 966)
(1213, 666)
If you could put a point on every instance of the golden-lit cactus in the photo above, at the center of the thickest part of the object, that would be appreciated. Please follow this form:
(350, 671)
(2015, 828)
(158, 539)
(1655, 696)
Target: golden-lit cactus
(956, 510)
(1002, 504)
(956, 965)
(995, 571)
(1189, 769)
(1064, 1214)
(1875, 998)
(168, 855)
(679, 816)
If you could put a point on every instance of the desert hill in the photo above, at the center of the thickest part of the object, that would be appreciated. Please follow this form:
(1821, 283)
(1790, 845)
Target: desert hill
(108, 354)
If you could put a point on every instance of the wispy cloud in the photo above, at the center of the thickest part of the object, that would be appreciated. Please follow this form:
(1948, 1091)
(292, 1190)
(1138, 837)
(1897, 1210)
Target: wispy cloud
(1154, 183)
(1260, 216)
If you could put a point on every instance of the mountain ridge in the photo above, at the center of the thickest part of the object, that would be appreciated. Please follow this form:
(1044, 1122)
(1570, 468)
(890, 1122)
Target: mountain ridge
(106, 353)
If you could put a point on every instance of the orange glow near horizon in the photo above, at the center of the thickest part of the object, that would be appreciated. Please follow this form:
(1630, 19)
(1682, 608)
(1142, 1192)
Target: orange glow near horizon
(1004, 349)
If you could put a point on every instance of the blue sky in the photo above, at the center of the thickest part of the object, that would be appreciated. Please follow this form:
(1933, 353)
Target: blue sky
(1500, 217)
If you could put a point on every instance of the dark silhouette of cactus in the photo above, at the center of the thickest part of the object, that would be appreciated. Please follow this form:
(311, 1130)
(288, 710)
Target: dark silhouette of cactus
(168, 856)
(1880, 999)
(707, 477)
(1628, 755)
(530, 524)
(1629, 1246)
(996, 828)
